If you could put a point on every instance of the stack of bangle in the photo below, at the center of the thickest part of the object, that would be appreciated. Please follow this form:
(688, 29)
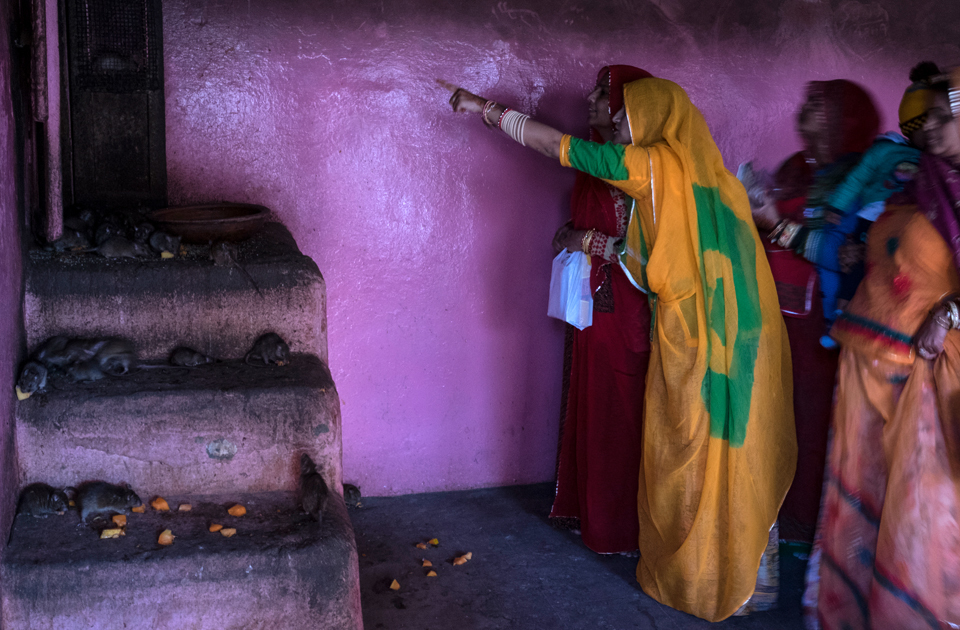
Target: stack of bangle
(951, 320)
(587, 240)
(486, 109)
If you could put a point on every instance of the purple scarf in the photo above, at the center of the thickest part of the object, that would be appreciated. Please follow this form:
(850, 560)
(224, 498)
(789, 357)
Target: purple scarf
(938, 193)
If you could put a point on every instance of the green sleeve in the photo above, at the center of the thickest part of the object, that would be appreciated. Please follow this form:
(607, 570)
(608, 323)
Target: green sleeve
(600, 160)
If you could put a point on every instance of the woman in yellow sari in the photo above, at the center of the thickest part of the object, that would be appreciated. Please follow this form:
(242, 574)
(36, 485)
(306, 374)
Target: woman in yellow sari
(719, 446)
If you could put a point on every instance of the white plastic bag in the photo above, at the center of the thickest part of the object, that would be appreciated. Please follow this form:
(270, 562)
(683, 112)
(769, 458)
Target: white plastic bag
(570, 296)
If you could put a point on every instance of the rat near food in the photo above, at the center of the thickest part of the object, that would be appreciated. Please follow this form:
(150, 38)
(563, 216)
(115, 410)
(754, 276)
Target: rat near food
(188, 357)
(313, 489)
(225, 254)
(99, 499)
(39, 499)
(269, 349)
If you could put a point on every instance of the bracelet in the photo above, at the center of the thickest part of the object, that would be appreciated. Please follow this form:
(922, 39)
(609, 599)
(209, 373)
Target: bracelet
(777, 229)
(789, 233)
(954, 315)
(587, 240)
(502, 114)
(512, 123)
(486, 109)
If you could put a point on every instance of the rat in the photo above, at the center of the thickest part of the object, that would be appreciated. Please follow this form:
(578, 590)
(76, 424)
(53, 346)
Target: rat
(102, 499)
(267, 349)
(313, 489)
(87, 370)
(33, 378)
(116, 357)
(71, 240)
(39, 499)
(121, 247)
(105, 232)
(351, 495)
(225, 254)
(142, 232)
(163, 242)
(188, 357)
(51, 352)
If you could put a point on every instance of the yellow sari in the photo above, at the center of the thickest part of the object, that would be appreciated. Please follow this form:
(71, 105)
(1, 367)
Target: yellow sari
(719, 449)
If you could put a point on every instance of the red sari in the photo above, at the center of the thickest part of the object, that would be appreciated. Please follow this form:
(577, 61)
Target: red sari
(850, 124)
(598, 465)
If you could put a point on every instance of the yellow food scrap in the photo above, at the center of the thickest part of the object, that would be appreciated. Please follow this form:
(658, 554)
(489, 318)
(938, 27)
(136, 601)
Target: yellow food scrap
(166, 537)
(74, 504)
(139, 509)
(468, 555)
(216, 527)
(159, 504)
(434, 542)
(185, 507)
(427, 563)
(432, 574)
(111, 533)
(166, 255)
(237, 510)
(21, 395)
(120, 520)
(421, 546)
(394, 586)
(227, 532)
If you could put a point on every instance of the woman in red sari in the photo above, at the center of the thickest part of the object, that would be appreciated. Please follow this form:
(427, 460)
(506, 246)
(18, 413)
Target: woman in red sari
(598, 464)
(837, 122)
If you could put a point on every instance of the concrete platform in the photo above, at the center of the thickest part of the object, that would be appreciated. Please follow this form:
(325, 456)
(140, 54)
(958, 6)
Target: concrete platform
(224, 427)
(281, 570)
(160, 304)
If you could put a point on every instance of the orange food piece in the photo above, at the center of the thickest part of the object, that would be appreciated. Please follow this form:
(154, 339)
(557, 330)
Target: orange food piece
(216, 527)
(139, 509)
(227, 532)
(434, 542)
(394, 586)
(237, 510)
(432, 574)
(159, 504)
(459, 560)
(119, 520)
(421, 546)
(166, 537)
(185, 507)
(427, 563)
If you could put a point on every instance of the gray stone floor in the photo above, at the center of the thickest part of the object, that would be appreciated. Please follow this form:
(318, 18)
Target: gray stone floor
(523, 573)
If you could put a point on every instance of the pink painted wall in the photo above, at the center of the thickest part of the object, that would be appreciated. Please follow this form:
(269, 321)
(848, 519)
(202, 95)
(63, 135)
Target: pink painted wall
(10, 281)
(434, 233)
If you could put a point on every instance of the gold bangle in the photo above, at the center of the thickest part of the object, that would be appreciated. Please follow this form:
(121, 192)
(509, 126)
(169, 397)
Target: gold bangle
(586, 240)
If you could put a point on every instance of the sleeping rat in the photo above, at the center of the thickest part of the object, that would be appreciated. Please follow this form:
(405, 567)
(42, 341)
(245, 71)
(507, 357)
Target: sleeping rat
(51, 352)
(267, 349)
(116, 357)
(88, 370)
(188, 357)
(39, 499)
(313, 489)
(99, 498)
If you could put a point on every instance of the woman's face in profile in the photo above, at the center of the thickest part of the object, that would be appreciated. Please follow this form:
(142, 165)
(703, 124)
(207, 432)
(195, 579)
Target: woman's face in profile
(599, 105)
(943, 134)
(621, 127)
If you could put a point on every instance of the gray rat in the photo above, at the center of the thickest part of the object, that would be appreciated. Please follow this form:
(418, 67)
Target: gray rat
(71, 239)
(105, 232)
(39, 499)
(116, 357)
(51, 352)
(188, 357)
(268, 349)
(313, 489)
(88, 370)
(99, 498)
(142, 232)
(225, 254)
(351, 494)
(120, 247)
(163, 242)
(33, 378)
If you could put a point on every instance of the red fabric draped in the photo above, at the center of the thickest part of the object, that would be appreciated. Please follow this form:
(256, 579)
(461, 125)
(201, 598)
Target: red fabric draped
(850, 124)
(599, 461)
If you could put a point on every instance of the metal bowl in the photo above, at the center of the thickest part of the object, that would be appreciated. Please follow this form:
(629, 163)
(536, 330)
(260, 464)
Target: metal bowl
(212, 222)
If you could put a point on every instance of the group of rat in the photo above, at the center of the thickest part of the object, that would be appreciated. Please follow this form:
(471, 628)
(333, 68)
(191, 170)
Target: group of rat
(131, 234)
(82, 359)
(98, 501)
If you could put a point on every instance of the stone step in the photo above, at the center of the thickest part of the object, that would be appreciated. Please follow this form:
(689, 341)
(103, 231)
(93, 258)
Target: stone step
(280, 570)
(160, 304)
(221, 427)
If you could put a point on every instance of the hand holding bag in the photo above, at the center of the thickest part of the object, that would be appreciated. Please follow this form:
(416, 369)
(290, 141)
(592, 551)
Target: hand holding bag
(570, 296)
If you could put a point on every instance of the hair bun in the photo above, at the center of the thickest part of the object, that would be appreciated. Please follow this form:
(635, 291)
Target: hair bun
(923, 72)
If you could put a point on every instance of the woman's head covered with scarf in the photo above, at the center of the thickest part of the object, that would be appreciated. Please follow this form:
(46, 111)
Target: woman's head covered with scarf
(615, 77)
(842, 119)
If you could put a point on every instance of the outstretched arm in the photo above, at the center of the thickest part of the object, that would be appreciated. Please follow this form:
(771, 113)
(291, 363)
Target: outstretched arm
(528, 132)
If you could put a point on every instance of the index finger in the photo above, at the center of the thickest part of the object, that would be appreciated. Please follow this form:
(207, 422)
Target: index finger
(449, 86)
